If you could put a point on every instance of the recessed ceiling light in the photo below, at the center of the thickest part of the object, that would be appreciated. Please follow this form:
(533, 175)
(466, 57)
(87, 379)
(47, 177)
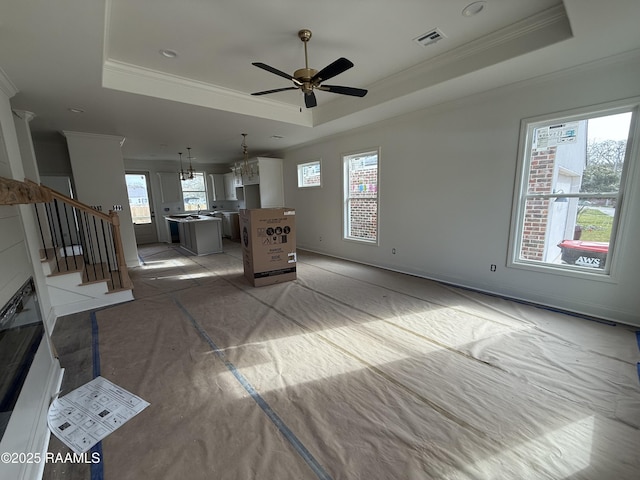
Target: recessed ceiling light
(167, 53)
(473, 9)
(277, 137)
(75, 110)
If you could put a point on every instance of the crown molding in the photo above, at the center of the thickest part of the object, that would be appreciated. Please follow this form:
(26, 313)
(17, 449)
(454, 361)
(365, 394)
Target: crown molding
(135, 79)
(533, 33)
(24, 115)
(95, 136)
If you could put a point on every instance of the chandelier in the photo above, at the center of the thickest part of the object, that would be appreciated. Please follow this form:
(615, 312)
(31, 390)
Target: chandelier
(243, 169)
(186, 174)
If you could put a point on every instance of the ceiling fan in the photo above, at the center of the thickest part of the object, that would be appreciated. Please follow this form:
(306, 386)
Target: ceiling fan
(308, 79)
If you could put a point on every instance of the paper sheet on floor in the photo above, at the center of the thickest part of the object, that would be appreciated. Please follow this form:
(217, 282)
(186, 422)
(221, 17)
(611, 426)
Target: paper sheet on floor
(85, 416)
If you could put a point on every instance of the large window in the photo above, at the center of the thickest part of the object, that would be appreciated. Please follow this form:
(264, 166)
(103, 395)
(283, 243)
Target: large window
(194, 193)
(361, 197)
(570, 195)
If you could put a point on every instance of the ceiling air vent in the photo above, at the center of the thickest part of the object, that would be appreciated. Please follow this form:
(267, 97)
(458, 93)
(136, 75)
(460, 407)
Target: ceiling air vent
(430, 37)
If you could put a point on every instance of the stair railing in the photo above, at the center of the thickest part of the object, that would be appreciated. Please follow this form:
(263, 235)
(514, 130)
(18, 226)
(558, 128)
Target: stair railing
(74, 235)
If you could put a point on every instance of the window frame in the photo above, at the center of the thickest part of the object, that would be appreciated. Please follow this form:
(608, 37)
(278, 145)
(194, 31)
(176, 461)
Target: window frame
(206, 198)
(147, 177)
(300, 169)
(520, 195)
(346, 197)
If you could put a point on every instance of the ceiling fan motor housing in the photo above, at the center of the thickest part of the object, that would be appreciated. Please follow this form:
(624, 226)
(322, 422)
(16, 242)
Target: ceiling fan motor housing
(305, 75)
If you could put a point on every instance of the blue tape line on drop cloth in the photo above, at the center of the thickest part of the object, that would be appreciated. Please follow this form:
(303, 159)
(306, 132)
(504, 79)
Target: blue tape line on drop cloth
(97, 471)
(638, 338)
(273, 416)
(95, 346)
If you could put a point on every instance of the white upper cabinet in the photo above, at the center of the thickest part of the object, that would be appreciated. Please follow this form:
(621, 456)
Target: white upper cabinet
(217, 187)
(230, 186)
(271, 182)
(265, 189)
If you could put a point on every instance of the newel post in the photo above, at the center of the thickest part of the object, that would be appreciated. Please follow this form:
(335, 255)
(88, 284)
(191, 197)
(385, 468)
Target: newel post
(117, 242)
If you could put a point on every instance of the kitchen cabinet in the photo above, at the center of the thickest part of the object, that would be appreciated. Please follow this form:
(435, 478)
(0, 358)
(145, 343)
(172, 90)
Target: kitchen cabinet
(252, 179)
(268, 192)
(237, 179)
(230, 186)
(200, 236)
(217, 187)
(230, 224)
(170, 189)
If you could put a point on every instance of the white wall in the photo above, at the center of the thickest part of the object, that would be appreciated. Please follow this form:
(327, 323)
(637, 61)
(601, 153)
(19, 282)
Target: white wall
(27, 430)
(16, 265)
(53, 157)
(447, 178)
(98, 177)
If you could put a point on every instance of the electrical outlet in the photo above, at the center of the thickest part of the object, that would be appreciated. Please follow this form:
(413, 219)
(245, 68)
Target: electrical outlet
(320, 238)
(393, 251)
(493, 267)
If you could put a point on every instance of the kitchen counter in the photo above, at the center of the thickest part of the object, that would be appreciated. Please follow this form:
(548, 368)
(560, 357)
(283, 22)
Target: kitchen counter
(189, 218)
(199, 234)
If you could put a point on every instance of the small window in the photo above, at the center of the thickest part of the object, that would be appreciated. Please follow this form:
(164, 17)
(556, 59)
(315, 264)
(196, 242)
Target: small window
(194, 193)
(309, 174)
(361, 197)
(568, 206)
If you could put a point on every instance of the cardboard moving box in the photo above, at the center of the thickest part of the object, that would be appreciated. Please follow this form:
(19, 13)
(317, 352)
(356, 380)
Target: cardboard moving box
(268, 237)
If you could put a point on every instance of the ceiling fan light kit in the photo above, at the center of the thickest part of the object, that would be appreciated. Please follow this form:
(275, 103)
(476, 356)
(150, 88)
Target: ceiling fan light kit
(309, 79)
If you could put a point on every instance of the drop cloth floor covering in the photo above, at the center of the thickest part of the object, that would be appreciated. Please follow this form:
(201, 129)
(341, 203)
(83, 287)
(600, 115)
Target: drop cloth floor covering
(351, 372)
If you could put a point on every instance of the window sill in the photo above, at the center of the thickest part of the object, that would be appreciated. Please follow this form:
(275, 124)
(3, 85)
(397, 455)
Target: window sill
(562, 270)
(361, 241)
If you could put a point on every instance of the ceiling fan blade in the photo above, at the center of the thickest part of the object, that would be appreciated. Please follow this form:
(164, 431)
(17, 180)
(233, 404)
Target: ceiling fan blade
(275, 90)
(280, 73)
(354, 92)
(331, 70)
(310, 100)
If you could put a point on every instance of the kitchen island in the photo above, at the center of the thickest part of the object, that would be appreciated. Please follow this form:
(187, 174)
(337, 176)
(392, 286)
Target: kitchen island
(199, 234)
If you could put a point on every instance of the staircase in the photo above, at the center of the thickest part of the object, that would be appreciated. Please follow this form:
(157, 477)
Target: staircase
(81, 249)
(76, 285)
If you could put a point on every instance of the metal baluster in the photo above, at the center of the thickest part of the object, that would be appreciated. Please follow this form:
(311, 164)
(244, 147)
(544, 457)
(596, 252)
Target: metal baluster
(66, 214)
(82, 238)
(64, 245)
(52, 230)
(54, 239)
(93, 257)
(44, 246)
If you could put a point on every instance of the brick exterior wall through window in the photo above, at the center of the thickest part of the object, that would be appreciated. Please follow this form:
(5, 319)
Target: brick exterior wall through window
(363, 202)
(536, 214)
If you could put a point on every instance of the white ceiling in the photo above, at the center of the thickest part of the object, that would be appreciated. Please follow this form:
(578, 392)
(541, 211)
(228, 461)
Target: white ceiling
(104, 57)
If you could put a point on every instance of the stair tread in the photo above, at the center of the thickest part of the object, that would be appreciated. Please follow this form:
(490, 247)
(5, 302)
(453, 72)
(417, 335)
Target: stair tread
(91, 273)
